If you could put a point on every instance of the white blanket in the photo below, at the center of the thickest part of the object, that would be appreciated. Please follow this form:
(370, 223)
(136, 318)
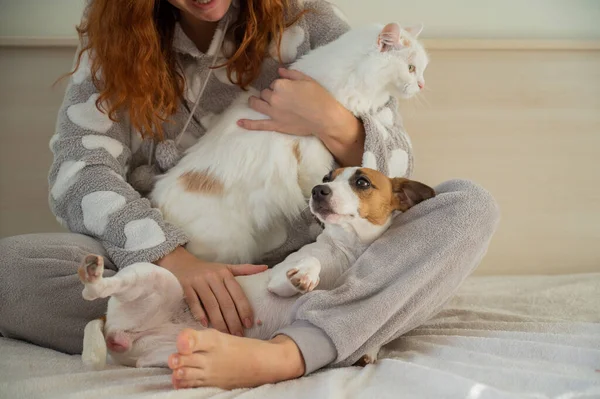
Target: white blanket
(501, 337)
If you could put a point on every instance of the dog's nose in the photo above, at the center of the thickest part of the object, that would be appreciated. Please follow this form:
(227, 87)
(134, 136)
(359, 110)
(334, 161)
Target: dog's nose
(321, 192)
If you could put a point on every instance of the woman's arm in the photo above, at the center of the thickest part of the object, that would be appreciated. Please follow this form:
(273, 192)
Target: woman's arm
(298, 105)
(88, 189)
(90, 195)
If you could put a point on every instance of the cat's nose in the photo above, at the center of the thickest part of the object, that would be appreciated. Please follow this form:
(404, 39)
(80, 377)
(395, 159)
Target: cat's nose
(421, 85)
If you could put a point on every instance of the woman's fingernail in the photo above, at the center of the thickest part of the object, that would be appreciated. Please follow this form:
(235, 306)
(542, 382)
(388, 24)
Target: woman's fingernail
(204, 322)
(240, 123)
(180, 373)
(191, 342)
(247, 323)
(175, 361)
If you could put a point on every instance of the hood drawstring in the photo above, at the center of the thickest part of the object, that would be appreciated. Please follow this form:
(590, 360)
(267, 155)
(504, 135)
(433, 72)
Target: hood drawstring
(204, 84)
(166, 152)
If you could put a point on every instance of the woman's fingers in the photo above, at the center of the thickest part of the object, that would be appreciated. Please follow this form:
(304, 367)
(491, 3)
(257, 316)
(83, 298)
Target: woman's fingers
(267, 96)
(246, 270)
(260, 105)
(194, 303)
(211, 305)
(227, 306)
(244, 310)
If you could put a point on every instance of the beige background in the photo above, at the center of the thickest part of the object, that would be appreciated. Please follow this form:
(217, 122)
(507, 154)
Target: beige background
(523, 123)
(548, 19)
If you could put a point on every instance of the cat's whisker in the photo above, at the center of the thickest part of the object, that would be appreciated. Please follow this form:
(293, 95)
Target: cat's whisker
(424, 100)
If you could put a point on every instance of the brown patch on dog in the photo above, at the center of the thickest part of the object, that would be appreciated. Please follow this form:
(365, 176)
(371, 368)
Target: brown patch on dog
(103, 318)
(334, 174)
(408, 193)
(386, 195)
(201, 182)
(376, 201)
(363, 361)
(296, 151)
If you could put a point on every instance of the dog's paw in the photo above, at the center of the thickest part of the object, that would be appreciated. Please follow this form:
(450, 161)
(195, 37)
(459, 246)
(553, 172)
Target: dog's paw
(304, 280)
(90, 271)
(298, 279)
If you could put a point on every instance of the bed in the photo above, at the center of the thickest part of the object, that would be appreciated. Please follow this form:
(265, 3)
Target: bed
(500, 337)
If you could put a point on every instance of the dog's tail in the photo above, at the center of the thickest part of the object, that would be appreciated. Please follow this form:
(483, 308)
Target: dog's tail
(94, 345)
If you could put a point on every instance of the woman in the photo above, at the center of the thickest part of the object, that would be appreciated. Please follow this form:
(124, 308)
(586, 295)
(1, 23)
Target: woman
(150, 60)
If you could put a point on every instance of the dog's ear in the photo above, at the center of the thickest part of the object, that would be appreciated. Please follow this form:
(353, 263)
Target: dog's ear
(408, 193)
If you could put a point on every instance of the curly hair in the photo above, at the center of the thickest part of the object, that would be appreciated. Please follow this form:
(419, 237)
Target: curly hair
(133, 63)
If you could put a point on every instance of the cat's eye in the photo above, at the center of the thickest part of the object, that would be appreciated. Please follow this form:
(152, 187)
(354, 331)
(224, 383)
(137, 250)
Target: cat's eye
(327, 178)
(411, 68)
(363, 182)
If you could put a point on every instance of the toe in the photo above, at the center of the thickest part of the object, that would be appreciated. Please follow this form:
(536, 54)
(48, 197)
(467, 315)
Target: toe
(183, 384)
(190, 341)
(186, 374)
(195, 361)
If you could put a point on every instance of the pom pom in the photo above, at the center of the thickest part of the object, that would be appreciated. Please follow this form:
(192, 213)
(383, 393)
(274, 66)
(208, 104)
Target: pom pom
(142, 178)
(167, 154)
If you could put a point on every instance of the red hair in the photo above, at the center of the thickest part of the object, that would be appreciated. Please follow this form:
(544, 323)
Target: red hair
(133, 63)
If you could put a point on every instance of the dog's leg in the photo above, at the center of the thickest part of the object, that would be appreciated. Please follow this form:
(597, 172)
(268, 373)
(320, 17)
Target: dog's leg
(297, 274)
(319, 263)
(127, 285)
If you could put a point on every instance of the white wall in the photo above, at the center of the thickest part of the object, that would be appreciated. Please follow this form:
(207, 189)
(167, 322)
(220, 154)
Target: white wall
(45, 18)
(514, 19)
(535, 19)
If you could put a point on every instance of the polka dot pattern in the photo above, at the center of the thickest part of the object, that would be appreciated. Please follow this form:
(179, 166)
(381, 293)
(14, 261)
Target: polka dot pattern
(369, 160)
(221, 75)
(381, 129)
(84, 70)
(292, 38)
(87, 116)
(338, 13)
(386, 117)
(97, 208)
(112, 146)
(398, 163)
(143, 234)
(66, 177)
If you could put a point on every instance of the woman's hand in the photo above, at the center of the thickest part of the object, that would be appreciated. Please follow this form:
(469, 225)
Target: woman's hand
(210, 288)
(298, 105)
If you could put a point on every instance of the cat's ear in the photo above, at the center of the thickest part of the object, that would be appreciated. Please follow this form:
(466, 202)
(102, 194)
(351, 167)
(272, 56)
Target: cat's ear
(389, 37)
(415, 31)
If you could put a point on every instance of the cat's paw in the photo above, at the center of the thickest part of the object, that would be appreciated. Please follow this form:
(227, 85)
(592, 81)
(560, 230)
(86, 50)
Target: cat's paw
(90, 274)
(299, 278)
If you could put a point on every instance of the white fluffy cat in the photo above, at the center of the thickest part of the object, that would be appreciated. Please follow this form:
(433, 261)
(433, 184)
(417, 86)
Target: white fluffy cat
(233, 191)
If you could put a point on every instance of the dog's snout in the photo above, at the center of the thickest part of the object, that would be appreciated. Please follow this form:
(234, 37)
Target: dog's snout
(321, 192)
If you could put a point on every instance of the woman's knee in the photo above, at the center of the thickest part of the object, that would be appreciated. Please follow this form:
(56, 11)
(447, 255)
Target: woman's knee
(15, 274)
(14, 257)
(472, 201)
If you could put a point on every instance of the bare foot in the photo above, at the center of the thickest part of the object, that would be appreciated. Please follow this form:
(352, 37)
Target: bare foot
(209, 358)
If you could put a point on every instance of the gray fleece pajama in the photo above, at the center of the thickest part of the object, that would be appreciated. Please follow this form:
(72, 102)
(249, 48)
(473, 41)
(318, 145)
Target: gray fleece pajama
(102, 170)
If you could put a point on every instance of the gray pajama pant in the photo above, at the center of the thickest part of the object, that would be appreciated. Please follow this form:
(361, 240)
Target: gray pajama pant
(401, 281)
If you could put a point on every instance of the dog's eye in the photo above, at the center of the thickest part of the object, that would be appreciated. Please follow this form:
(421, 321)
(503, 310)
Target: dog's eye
(327, 178)
(411, 68)
(363, 182)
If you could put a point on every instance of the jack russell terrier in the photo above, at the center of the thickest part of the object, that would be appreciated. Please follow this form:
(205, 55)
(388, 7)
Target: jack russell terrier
(146, 310)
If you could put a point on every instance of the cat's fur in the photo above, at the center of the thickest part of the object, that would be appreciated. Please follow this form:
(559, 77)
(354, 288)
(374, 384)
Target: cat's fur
(233, 191)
